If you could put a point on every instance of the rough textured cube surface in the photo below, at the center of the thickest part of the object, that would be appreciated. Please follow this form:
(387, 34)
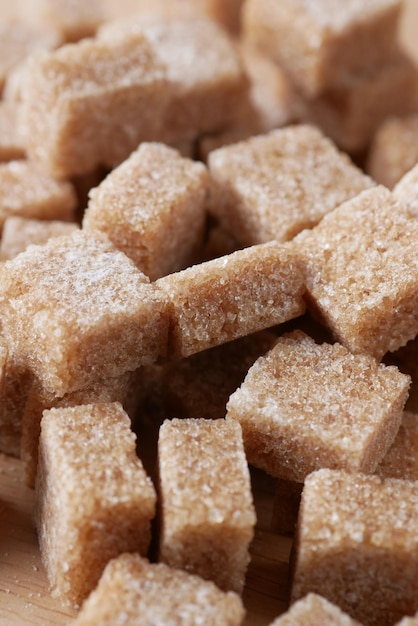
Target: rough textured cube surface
(94, 500)
(118, 389)
(394, 149)
(351, 113)
(205, 79)
(321, 43)
(77, 309)
(102, 98)
(27, 192)
(357, 543)
(207, 513)
(21, 232)
(401, 460)
(361, 270)
(142, 593)
(314, 609)
(232, 296)
(153, 208)
(305, 406)
(275, 185)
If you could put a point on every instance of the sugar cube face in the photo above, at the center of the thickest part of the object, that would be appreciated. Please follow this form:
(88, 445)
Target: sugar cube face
(93, 498)
(27, 192)
(351, 114)
(202, 383)
(11, 146)
(406, 190)
(305, 406)
(17, 380)
(232, 296)
(361, 271)
(153, 208)
(314, 609)
(207, 513)
(355, 535)
(401, 460)
(205, 78)
(39, 399)
(320, 44)
(21, 232)
(77, 309)
(393, 151)
(275, 185)
(133, 589)
(103, 99)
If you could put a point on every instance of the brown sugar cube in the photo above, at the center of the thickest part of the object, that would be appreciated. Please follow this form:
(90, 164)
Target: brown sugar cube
(401, 460)
(322, 44)
(361, 272)
(94, 500)
(118, 389)
(202, 383)
(357, 543)
(14, 392)
(394, 149)
(27, 192)
(103, 98)
(77, 309)
(206, 80)
(73, 20)
(305, 406)
(275, 185)
(314, 609)
(153, 208)
(19, 39)
(406, 190)
(143, 593)
(11, 146)
(232, 296)
(207, 511)
(352, 113)
(20, 232)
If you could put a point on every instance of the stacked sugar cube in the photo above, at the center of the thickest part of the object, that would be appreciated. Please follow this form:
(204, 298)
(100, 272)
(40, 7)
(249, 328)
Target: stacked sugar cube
(199, 256)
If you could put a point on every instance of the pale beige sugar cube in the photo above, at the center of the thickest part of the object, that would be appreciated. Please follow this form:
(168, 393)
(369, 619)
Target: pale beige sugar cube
(73, 19)
(401, 460)
(103, 98)
(26, 191)
(94, 500)
(275, 185)
(305, 406)
(201, 384)
(143, 593)
(321, 43)
(351, 114)
(406, 190)
(153, 208)
(77, 309)
(206, 80)
(11, 146)
(232, 296)
(207, 514)
(394, 149)
(118, 389)
(357, 543)
(20, 232)
(19, 39)
(313, 609)
(361, 271)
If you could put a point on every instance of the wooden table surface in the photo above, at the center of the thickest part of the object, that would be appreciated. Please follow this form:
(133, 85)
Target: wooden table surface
(25, 599)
